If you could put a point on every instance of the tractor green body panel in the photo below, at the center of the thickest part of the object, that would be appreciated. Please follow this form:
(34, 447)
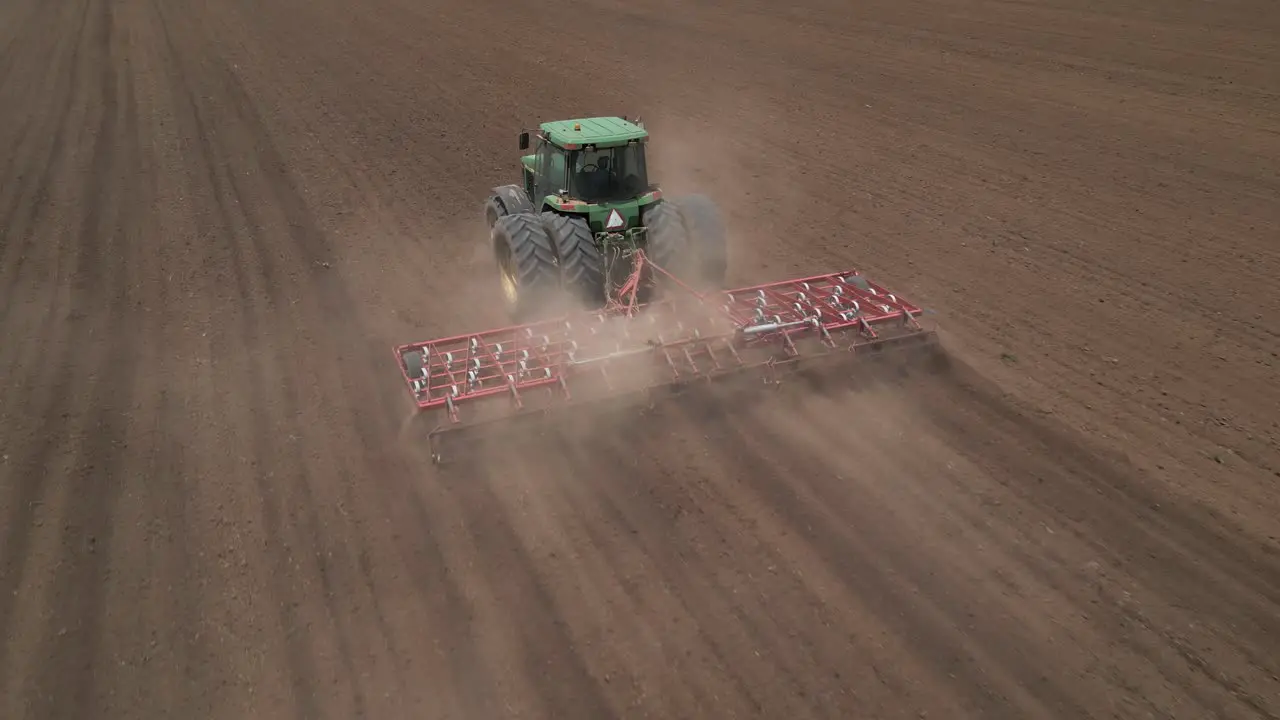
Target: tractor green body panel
(599, 131)
(598, 213)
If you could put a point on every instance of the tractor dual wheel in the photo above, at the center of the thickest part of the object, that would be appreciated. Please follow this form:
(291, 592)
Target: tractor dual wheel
(545, 260)
(708, 241)
(528, 269)
(687, 238)
(581, 264)
(666, 242)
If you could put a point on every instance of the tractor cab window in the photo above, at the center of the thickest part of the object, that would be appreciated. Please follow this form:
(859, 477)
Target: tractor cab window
(604, 174)
(550, 170)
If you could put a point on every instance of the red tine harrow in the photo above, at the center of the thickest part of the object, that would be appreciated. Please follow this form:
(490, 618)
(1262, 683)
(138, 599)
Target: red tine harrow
(629, 347)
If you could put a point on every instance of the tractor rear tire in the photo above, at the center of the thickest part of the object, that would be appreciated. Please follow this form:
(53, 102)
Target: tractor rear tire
(707, 240)
(493, 209)
(527, 264)
(581, 264)
(666, 241)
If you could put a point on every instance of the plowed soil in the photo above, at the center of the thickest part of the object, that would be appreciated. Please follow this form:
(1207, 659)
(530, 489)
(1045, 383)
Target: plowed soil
(217, 217)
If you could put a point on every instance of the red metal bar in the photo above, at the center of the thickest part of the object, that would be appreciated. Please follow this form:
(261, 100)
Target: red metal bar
(679, 337)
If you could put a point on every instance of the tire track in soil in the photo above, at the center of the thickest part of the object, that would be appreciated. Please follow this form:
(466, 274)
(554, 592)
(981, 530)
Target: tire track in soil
(171, 552)
(864, 571)
(716, 592)
(336, 304)
(425, 556)
(17, 233)
(6, 45)
(1124, 530)
(902, 591)
(1081, 590)
(476, 560)
(612, 499)
(29, 477)
(960, 634)
(249, 328)
(332, 300)
(651, 517)
(1109, 608)
(310, 241)
(1147, 520)
(102, 296)
(814, 520)
(547, 650)
(599, 575)
(1193, 562)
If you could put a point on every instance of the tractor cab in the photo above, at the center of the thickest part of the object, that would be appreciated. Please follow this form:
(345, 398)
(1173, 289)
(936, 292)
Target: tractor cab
(596, 161)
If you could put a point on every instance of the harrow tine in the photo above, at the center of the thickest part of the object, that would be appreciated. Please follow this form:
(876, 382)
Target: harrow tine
(609, 353)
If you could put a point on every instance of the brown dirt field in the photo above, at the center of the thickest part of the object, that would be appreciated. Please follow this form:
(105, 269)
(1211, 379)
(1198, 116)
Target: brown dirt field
(216, 218)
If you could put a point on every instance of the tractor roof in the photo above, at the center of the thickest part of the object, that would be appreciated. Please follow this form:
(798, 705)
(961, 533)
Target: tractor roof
(600, 131)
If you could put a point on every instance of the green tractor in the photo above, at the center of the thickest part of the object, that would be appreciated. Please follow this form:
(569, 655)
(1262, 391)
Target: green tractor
(585, 207)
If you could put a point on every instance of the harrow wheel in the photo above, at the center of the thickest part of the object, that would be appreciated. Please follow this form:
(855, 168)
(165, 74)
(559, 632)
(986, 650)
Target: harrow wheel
(581, 264)
(527, 264)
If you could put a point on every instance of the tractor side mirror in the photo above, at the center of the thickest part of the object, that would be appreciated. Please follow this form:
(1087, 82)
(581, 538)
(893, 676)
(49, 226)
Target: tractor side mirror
(524, 141)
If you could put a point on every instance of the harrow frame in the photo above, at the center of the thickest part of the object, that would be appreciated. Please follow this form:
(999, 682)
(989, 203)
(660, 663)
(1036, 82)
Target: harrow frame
(767, 329)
